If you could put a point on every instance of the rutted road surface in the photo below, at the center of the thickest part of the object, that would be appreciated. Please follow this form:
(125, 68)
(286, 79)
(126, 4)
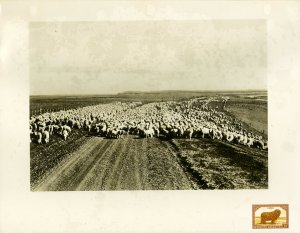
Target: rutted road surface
(118, 164)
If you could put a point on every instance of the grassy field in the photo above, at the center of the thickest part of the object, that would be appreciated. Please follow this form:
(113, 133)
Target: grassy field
(40, 104)
(253, 112)
(224, 166)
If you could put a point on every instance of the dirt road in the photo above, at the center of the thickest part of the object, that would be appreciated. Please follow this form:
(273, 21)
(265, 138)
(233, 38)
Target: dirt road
(118, 164)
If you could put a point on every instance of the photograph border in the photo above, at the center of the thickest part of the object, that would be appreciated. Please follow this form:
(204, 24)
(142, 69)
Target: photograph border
(180, 211)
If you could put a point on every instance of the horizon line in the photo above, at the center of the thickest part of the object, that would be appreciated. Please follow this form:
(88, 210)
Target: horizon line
(149, 92)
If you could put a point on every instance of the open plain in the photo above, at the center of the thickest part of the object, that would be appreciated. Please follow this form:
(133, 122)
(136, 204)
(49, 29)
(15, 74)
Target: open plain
(88, 160)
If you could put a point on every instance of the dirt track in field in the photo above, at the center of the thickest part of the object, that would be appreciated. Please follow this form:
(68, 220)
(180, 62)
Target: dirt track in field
(118, 164)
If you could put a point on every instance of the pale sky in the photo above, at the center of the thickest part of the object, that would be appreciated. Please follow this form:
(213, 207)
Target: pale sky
(111, 57)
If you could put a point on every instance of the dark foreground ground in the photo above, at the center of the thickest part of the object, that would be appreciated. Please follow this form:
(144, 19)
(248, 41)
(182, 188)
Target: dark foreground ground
(130, 163)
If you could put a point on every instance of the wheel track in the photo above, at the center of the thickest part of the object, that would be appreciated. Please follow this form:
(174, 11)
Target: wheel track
(97, 175)
(112, 182)
(129, 178)
(137, 168)
(87, 166)
(106, 172)
(145, 166)
(92, 179)
(78, 169)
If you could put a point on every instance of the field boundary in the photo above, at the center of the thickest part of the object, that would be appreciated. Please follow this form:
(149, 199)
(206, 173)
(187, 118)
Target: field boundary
(195, 178)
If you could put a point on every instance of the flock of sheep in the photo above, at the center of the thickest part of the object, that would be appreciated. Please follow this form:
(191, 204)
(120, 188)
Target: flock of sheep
(194, 118)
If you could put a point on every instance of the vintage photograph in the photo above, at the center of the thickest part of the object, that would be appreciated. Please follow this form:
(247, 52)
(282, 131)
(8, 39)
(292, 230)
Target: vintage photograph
(148, 105)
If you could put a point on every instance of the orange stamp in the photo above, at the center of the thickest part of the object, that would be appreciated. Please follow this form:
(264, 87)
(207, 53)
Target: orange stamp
(270, 216)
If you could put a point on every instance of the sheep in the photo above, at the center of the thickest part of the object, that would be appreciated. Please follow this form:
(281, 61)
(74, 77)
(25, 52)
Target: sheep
(229, 137)
(156, 131)
(39, 137)
(50, 129)
(258, 143)
(65, 134)
(46, 135)
(250, 142)
(189, 133)
(205, 131)
(115, 133)
(56, 129)
(66, 127)
(149, 132)
(170, 119)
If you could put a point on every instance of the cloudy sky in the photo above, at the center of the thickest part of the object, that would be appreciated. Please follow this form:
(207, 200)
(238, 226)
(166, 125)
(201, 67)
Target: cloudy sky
(111, 57)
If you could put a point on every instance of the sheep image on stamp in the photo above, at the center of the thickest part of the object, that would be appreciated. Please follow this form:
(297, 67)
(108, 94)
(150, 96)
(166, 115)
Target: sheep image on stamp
(270, 216)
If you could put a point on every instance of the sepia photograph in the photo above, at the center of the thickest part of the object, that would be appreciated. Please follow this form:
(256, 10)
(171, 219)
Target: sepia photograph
(148, 105)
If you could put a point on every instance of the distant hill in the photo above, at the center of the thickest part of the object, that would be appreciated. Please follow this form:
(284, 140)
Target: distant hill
(189, 92)
(151, 93)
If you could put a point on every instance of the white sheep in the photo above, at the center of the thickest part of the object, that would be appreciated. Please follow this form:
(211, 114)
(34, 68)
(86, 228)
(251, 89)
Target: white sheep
(39, 137)
(65, 134)
(46, 135)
